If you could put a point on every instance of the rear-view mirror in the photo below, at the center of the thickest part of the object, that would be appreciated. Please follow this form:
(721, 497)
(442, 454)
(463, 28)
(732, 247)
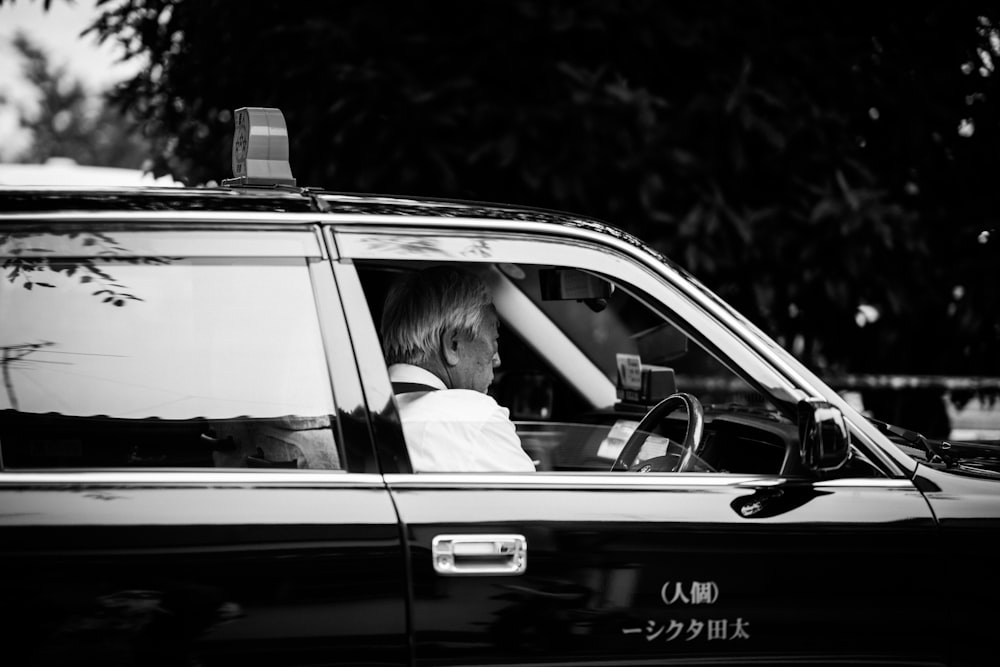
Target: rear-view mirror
(824, 440)
(574, 285)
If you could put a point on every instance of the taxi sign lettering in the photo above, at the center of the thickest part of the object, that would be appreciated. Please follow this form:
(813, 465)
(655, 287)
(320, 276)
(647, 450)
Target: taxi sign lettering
(680, 593)
(695, 592)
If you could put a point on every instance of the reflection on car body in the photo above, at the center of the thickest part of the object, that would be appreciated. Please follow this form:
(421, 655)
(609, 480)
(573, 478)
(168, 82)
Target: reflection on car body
(202, 462)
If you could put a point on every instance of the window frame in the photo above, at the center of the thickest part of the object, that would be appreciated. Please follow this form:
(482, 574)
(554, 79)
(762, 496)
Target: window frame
(421, 239)
(235, 236)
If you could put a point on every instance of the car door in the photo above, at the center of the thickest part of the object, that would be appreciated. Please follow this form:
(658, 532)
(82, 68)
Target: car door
(584, 565)
(188, 475)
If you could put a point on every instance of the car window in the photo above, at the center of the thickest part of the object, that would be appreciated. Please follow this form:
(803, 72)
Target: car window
(578, 375)
(646, 357)
(163, 362)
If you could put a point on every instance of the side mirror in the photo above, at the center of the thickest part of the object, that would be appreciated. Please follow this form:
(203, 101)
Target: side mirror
(824, 439)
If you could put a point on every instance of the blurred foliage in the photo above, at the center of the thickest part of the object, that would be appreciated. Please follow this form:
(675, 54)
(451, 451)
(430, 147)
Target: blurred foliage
(811, 162)
(71, 123)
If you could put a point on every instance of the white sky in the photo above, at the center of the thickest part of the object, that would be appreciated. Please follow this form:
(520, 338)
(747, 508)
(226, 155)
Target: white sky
(58, 32)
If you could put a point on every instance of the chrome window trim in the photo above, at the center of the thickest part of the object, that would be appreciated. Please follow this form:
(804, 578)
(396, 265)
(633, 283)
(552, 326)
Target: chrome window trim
(223, 477)
(221, 242)
(460, 224)
(618, 480)
(202, 218)
(865, 482)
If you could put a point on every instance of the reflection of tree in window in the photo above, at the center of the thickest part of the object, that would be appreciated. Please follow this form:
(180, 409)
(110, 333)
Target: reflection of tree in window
(105, 249)
(219, 363)
(30, 272)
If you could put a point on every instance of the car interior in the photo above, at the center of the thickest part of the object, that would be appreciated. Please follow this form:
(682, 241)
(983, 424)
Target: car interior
(560, 346)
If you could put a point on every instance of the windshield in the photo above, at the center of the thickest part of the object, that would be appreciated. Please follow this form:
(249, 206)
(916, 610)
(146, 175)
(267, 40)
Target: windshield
(623, 324)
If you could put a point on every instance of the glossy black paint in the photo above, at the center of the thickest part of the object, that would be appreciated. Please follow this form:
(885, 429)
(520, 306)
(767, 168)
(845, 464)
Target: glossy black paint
(827, 576)
(215, 574)
(968, 510)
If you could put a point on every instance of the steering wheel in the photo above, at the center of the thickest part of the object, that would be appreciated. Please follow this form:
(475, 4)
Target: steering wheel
(692, 445)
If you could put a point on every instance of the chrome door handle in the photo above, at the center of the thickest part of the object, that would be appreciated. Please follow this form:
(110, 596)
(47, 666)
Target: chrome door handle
(479, 554)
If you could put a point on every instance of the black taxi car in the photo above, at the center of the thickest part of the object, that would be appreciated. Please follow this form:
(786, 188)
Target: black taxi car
(202, 462)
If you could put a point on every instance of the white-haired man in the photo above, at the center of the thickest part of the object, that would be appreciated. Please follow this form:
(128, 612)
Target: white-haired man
(439, 337)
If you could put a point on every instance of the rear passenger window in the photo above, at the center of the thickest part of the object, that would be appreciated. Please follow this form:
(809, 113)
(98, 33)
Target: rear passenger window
(162, 362)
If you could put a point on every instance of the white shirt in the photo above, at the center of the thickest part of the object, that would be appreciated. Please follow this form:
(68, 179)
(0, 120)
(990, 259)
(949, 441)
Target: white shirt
(452, 430)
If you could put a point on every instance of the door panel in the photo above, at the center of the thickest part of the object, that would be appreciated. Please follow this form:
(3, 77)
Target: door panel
(758, 561)
(691, 568)
(262, 571)
(187, 466)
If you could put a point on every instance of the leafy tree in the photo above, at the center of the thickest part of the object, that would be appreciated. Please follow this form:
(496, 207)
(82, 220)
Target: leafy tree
(70, 122)
(816, 164)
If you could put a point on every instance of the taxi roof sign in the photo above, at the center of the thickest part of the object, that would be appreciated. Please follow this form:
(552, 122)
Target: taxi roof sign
(260, 148)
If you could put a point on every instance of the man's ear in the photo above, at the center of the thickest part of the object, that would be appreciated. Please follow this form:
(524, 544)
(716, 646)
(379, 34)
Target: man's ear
(451, 341)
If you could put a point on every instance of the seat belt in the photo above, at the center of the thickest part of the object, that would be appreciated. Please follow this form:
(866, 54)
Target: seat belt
(411, 387)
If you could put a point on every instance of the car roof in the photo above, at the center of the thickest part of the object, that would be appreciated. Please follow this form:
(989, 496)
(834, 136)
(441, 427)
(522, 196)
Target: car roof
(32, 200)
(56, 199)
(64, 199)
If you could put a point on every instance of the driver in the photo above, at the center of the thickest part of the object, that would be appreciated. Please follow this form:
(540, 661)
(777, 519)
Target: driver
(439, 337)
